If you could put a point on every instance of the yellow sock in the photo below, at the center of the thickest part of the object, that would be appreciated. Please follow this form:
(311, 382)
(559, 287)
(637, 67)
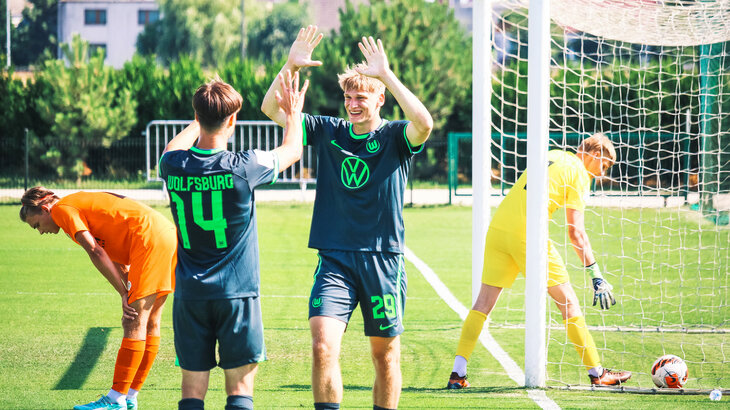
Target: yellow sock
(470, 331)
(583, 341)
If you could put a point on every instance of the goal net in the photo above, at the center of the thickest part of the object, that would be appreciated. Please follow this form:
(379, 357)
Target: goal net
(655, 77)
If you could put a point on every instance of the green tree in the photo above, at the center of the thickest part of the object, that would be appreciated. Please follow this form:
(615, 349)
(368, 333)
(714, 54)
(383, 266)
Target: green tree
(84, 106)
(269, 38)
(35, 36)
(207, 30)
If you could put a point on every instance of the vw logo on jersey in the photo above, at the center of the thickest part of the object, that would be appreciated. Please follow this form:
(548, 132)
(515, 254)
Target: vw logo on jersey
(354, 173)
(372, 146)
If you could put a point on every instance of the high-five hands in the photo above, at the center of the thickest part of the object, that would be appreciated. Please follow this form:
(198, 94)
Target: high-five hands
(291, 99)
(300, 53)
(375, 58)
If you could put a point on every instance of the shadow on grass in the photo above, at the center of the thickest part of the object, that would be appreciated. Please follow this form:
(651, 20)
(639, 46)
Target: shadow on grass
(471, 390)
(85, 359)
(307, 387)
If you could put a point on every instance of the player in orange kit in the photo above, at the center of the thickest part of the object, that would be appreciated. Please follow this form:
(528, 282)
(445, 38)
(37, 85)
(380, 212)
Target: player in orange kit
(134, 247)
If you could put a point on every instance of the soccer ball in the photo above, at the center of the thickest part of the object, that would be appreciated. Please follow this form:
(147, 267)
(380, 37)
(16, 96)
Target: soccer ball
(669, 371)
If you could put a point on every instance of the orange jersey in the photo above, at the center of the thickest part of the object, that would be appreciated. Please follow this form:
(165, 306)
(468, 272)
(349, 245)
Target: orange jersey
(115, 222)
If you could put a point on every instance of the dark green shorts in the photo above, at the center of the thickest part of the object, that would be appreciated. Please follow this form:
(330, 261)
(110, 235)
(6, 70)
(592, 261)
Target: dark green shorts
(375, 280)
(235, 324)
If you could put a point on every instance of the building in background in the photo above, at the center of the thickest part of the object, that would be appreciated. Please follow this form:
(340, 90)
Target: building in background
(112, 25)
(16, 11)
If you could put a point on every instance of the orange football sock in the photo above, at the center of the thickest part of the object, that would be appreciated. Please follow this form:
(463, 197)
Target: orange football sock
(150, 353)
(128, 359)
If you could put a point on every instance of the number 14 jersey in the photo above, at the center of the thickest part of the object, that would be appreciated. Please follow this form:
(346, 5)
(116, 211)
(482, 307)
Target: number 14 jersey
(212, 204)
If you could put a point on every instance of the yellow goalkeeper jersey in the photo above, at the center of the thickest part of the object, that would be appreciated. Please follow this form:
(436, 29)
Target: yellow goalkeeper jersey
(568, 184)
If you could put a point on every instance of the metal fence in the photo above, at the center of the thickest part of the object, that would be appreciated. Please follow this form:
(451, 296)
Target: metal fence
(263, 135)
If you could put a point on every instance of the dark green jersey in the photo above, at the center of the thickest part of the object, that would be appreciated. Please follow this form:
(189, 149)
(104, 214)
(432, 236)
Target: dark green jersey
(361, 180)
(212, 203)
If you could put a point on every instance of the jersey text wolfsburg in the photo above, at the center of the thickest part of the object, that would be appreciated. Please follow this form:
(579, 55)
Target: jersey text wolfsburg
(361, 181)
(211, 200)
(209, 183)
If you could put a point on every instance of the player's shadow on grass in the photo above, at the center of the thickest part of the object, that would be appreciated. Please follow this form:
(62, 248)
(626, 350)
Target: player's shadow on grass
(308, 387)
(85, 360)
(480, 390)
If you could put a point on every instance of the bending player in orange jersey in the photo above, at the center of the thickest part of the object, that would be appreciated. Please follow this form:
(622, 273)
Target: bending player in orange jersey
(117, 233)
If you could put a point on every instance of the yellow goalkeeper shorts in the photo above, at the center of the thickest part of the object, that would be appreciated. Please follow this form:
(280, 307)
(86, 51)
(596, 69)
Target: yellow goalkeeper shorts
(504, 258)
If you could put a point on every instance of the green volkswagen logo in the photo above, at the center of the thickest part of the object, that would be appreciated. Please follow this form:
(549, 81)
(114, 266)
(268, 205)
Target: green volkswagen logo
(354, 173)
(372, 146)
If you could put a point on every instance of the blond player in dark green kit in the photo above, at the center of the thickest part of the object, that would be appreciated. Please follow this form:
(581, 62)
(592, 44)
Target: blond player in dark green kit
(357, 223)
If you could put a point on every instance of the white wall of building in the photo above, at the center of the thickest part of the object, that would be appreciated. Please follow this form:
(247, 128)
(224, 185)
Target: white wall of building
(120, 32)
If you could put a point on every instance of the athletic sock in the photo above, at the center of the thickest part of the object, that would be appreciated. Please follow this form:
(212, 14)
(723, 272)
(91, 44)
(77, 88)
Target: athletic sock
(380, 408)
(116, 397)
(132, 394)
(595, 371)
(151, 347)
(190, 404)
(459, 366)
(326, 406)
(583, 341)
(237, 402)
(128, 360)
(470, 331)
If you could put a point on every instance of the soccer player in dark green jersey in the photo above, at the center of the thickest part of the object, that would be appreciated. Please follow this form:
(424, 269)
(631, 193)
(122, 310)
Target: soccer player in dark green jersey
(217, 275)
(357, 224)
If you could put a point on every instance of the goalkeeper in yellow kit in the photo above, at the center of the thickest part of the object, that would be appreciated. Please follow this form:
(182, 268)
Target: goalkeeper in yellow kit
(569, 180)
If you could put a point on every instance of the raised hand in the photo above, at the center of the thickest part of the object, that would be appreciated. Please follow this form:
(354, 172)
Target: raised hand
(300, 53)
(375, 58)
(291, 100)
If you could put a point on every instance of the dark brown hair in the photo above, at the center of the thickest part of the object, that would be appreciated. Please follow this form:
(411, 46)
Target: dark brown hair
(214, 102)
(34, 199)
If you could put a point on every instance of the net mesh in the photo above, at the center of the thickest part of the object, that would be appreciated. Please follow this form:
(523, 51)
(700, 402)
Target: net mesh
(654, 77)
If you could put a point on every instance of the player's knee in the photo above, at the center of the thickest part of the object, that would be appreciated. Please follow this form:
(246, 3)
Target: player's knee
(322, 351)
(386, 358)
(153, 327)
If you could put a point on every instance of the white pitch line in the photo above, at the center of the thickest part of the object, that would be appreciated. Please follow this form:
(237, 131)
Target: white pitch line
(510, 366)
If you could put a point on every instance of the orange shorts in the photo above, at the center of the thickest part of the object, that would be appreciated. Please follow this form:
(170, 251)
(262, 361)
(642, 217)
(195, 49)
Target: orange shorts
(152, 262)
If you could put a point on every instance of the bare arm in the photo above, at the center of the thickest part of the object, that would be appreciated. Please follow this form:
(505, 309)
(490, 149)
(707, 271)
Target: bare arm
(300, 55)
(420, 119)
(290, 102)
(579, 237)
(185, 139)
(109, 269)
(602, 290)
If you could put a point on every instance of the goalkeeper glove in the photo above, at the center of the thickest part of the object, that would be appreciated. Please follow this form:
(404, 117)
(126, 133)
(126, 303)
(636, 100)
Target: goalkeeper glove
(601, 288)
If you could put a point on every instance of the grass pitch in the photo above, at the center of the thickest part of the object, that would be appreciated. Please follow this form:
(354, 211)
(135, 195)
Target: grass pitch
(62, 323)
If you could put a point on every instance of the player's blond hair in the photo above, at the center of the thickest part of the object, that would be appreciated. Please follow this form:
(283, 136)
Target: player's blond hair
(34, 199)
(599, 144)
(351, 80)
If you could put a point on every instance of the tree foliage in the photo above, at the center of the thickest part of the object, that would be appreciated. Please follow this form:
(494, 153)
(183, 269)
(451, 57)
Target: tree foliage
(35, 36)
(270, 37)
(427, 49)
(208, 31)
(84, 106)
